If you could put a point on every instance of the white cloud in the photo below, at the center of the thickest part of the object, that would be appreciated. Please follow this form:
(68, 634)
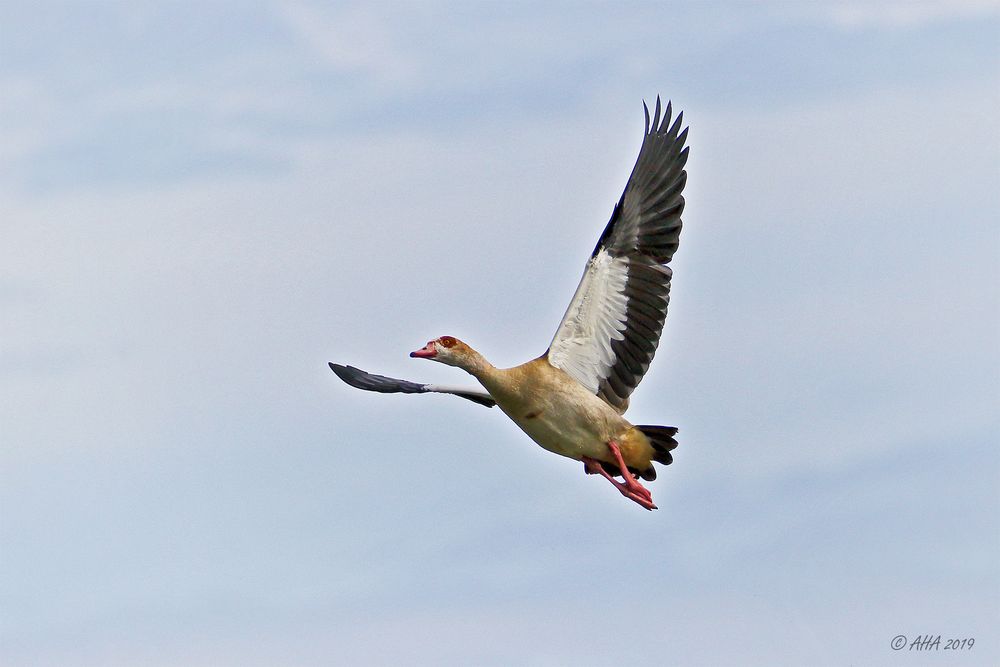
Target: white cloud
(32, 119)
(906, 15)
(354, 38)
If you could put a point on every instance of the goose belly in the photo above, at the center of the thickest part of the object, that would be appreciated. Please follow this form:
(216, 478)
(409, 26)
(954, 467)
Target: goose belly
(571, 430)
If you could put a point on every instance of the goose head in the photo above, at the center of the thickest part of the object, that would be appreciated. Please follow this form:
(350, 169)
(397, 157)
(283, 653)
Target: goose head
(447, 350)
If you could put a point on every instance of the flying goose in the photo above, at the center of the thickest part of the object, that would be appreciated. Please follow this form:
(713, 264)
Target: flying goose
(571, 399)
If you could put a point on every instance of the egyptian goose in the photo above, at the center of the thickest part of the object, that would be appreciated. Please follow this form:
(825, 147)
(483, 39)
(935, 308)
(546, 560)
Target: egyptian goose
(570, 400)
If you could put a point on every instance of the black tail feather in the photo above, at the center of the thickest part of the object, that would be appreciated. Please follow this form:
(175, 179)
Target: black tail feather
(662, 439)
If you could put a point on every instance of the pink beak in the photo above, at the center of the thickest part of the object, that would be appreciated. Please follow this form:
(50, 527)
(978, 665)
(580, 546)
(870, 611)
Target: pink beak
(426, 352)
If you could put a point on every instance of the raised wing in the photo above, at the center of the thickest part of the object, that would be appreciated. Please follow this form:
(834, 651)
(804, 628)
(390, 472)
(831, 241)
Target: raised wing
(386, 385)
(610, 331)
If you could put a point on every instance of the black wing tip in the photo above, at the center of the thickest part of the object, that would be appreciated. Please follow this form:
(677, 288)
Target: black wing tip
(655, 132)
(661, 124)
(371, 382)
(348, 374)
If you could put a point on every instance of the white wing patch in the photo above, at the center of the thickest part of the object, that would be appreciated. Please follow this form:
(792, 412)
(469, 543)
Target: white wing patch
(595, 317)
(455, 389)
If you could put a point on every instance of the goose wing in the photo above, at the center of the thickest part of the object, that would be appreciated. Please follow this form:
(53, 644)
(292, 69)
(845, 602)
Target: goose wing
(610, 331)
(387, 385)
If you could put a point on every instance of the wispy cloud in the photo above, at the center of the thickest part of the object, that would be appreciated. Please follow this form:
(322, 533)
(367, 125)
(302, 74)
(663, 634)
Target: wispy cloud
(907, 15)
(355, 39)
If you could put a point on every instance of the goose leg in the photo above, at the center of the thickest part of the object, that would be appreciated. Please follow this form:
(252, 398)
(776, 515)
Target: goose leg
(630, 488)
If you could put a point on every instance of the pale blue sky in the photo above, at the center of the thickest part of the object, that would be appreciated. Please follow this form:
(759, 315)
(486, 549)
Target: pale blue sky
(203, 203)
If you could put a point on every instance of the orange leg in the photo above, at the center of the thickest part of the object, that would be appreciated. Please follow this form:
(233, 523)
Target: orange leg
(630, 488)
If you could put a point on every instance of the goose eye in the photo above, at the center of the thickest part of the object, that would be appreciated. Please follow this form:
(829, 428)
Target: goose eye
(448, 341)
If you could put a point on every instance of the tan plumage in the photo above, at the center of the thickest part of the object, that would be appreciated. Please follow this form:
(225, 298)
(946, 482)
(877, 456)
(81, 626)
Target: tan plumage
(556, 411)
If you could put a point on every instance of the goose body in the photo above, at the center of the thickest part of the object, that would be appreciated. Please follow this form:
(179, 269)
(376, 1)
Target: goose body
(571, 399)
(562, 416)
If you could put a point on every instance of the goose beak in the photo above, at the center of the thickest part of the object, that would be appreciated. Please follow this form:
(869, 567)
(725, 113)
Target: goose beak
(426, 352)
